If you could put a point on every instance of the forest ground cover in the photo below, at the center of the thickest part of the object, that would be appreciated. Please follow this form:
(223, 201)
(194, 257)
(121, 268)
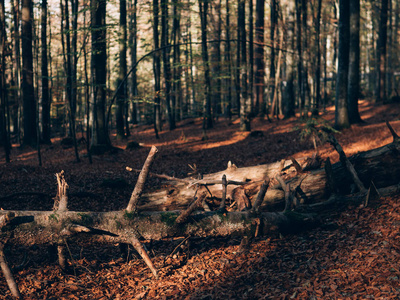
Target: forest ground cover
(354, 256)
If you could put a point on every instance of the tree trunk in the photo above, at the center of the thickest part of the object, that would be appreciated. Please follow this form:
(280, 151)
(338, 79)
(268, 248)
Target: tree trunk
(272, 70)
(133, 48)
(377, 165)
(260, 107)
(17, 69)
(169, 98)
(317, 96)
(251, 58)
(177, 68)
(289, 94)
(381, 49)
(341, 107)
(300, 93)
(245, 100)
(228, 63)
(46, 101)
(354, 62)
(100, 138)
(121, 98)
(27, 75)
(70, 59)
(157, 72)
(3, 89)
(207, 112)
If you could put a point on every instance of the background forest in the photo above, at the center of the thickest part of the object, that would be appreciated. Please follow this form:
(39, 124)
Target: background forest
(219, 87)
(79, 66)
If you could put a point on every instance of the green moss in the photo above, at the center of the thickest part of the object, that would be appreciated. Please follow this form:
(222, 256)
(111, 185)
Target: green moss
(168, 218)
(129, 215)
(223, 216)
(53, 217)
(86, 220)
(118, 224)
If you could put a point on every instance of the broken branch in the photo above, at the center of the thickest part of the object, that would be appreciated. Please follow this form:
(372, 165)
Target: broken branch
(346, 163)
(141, 181)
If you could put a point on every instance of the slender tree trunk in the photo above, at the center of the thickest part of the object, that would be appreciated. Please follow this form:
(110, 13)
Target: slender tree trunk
(169, 98)
(228, 62)
(289, 90)
(46, 131)
(157, 71)
(71, 76)
(251, 57)
(121, 98)
(317, 96)
(245, 100)
(87, 95)
(27, 75)
(354, 62)
(272, 70)
(305, 41)
(3, 90)
(100, 136)
(301, 99)
(17, 68)
(133, 48)
(341, 107)
(238, 61)
(259, 58)
(177, 85)
(216, 63)
(381, 49)
(207, 117)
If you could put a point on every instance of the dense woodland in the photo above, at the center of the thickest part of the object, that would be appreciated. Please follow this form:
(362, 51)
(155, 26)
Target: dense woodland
(91, 67)
(273, 166)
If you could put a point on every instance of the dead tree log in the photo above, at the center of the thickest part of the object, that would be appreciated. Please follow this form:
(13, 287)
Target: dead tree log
(378, 165)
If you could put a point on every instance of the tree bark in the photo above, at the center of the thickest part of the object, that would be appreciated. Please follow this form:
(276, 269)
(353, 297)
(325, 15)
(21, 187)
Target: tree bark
(121, 98)
(46, 101)
(245, 99)
(341, 106)
(169, 98)
(207, 111)
(381, 50)
(100, 136)
(260, 107)
(133, 48)
(354, 62)
(157, 71)
(28, 95)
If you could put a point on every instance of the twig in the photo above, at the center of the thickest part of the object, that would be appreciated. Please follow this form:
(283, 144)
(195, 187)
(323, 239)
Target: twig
(204, 182)
(12, 285)
(134, 241)
(162, 176)
(141, 181)
(180, 244)
(185, 214)
(296, 165)
(224, 186)
(346, 163)
(261, 195)
(396, 138)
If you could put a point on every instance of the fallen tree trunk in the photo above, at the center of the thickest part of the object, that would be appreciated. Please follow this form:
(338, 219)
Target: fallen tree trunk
(378, 165)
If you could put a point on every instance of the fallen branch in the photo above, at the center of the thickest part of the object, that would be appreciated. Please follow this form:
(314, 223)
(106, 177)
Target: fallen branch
(132, 205)
(347, 164)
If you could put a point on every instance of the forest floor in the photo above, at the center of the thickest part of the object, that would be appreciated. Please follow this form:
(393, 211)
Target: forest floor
(355, 256)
